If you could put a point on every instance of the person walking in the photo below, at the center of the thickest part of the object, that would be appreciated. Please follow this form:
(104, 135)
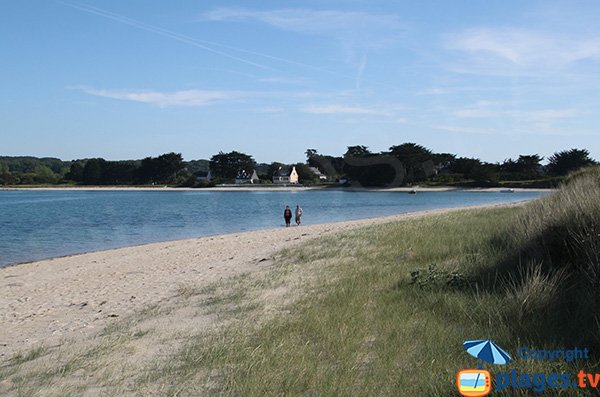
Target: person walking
(298, 214)
(287, 215)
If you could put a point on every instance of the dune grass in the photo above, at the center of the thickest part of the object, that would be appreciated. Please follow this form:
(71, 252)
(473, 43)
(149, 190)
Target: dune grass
(384, 310)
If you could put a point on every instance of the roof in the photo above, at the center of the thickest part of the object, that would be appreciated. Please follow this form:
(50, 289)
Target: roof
(284, 171)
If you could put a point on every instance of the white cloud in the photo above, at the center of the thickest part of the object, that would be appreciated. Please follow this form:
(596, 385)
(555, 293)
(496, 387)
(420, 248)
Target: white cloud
(523, 47)
(490, 110)
(271, 109)
(369, 29)
(186, 98)
(344, 109)
(385, 109)
(284, 80)
(467, 130)
(475, 113)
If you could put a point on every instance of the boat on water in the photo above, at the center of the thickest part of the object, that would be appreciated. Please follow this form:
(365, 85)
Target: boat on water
(507, 191)
(413, 191)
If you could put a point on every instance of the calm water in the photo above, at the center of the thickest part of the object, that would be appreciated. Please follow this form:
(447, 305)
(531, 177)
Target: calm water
(43, 224)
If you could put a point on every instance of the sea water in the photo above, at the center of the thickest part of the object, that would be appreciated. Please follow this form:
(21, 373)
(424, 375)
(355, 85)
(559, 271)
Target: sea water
(38, 224)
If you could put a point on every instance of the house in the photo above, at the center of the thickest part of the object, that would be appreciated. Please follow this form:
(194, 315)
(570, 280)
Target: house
(244, 177)
(286, 175)
(204, 175)
(315, 170)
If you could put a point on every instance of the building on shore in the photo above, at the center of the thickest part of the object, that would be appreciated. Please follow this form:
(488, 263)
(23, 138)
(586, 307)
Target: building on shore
(244, 177)
(286, 175)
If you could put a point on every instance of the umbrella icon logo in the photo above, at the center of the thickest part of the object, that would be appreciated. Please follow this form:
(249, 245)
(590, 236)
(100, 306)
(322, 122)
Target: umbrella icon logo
(478, 382)
(486, 350)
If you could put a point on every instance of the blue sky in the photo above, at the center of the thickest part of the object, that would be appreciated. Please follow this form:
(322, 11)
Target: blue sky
(129, 79)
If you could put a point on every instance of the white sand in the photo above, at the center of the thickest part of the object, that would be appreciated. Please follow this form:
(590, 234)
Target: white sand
(42, 303)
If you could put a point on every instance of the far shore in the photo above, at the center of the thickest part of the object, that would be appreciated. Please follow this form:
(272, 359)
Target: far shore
(263, 188)
(48, 302)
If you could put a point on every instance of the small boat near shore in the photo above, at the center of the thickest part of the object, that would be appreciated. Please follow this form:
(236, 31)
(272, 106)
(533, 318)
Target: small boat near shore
(507, 191)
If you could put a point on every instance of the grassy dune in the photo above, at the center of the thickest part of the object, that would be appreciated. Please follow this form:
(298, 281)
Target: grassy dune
(377, 311)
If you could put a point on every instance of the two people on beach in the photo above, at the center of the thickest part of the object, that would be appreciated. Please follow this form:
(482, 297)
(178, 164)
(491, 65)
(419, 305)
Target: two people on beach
(287, 215)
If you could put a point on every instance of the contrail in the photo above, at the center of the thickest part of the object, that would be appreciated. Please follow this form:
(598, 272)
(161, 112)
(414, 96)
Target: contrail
(203, 44)
(160, 31)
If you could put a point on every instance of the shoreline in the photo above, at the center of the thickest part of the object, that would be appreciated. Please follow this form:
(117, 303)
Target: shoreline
(77, 296)
(277, 188)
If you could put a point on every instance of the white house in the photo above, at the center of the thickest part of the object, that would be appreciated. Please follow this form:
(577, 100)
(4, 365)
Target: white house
(244, 177)
(286, 175)
(315, 170)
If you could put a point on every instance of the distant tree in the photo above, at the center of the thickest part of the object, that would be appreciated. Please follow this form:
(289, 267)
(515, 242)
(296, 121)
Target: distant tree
(43, 174)
(75, 171)
(417, 161)
(93, 170)
(466, 166)
(561, 163)
(148, 171)
(485, 173)
(525, 167)
(530, 164)
(443, 160)
(273, 168)
(169, 166)
(229, 165)
(371, 169)
(6, 178)
(357, 151)
(305, 175)
(119, 173)
(197, 166)
(310, 153)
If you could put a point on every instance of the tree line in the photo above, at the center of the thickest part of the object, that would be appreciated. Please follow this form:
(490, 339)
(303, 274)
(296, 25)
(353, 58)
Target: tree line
(405, 164)
(410, 163)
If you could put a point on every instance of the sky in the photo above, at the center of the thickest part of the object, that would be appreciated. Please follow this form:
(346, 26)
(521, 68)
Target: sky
(130, 79)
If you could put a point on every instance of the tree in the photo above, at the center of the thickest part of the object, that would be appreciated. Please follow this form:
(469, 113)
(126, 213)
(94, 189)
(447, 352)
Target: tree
(6, 178)
(93, 170)
(417, 161)
(169, 166)
(273, 168)
(229, 165)
(525, 167)
(357, 151)
(443, 160)
(466, 166)
(305, 174)
(529, 165)
(561, 163)
(44, 174)
(371, 169)
(310, 153)
(76, 171)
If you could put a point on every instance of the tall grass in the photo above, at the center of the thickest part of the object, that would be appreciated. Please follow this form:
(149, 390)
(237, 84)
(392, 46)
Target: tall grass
(563, 230)
(552, 263)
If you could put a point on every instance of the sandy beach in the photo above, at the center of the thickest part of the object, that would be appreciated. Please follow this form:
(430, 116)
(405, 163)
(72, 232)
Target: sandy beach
(47, 302)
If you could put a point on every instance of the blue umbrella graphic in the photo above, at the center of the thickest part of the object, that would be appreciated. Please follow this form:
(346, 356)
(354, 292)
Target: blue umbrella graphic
(486, 350)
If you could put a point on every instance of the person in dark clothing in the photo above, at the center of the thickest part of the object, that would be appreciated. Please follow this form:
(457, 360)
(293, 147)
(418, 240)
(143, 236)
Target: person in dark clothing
(287, 215)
